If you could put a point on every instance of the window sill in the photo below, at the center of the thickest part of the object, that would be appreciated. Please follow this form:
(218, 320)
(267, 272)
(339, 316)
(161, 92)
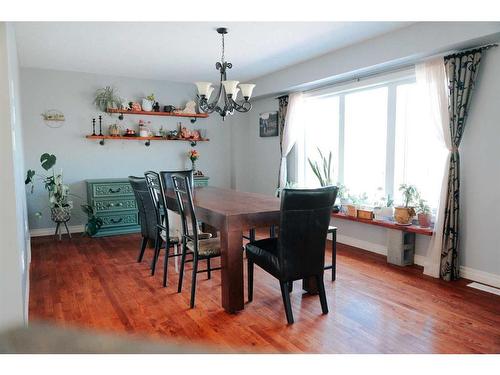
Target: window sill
(387, 224)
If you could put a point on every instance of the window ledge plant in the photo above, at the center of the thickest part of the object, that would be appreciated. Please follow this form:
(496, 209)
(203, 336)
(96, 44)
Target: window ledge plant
(404, 214)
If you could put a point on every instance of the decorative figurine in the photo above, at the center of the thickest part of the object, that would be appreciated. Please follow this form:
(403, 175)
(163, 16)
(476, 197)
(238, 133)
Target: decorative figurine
(185, 133)
(136, 107)
(168, 108)
(190, 108)
(156, 107)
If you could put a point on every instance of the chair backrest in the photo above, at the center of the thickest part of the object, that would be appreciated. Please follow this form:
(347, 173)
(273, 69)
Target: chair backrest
(304, 220)
(145, 206)
(166, 178)
(157, 193)
(183, 193)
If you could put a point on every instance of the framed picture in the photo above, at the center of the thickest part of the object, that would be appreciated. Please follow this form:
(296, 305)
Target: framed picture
(268, 124)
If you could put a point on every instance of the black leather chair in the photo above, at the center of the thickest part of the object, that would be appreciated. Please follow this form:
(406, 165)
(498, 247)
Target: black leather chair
(192, 243)
(299, 250)
(159, 212)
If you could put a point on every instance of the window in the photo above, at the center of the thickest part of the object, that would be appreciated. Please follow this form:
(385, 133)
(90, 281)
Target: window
(378, 138)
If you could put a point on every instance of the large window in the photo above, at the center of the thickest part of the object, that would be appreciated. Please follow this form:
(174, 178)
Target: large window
(378, 137)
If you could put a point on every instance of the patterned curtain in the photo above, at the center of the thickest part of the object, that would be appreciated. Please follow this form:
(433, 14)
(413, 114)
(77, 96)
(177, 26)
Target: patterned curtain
(461, 73)
(282, 109)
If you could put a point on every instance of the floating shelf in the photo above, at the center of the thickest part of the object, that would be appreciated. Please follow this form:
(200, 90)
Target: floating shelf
(152, 113)
(146, 139)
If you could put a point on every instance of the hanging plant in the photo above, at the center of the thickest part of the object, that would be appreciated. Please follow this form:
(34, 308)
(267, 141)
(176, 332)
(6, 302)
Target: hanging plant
(107, 98)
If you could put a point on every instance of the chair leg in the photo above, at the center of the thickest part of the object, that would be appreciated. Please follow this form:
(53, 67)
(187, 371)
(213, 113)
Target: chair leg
(322, 294)
(250, 280)
(334, 255)
(181, 272)
(286, 301)
(209, 271)
(158, 243)
(165, 263)
(176, 262)
(251, 235)
(193, 280)
(143, 248)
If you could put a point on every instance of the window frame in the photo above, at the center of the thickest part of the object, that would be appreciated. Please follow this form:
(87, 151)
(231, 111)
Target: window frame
(389, 80)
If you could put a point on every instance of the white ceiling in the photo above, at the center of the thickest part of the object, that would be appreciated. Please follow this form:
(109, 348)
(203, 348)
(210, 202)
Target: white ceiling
(184, 51)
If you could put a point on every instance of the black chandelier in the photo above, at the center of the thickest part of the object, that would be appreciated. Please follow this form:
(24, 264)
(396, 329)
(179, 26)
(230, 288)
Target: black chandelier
(225, 101)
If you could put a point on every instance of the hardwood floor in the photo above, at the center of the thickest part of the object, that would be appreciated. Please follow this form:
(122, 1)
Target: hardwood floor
(374, 307)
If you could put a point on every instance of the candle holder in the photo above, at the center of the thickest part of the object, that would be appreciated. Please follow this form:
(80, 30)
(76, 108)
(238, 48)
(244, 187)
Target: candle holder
(93, 127)
(100, 125)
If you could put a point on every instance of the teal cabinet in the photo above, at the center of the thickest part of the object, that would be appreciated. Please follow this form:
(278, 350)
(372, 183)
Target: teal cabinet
(114, 202)
(200, 181)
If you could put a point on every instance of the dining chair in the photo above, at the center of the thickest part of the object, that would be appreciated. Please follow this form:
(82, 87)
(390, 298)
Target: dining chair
(163, 233)
(201, 249)
(145, 208)
(299, 250)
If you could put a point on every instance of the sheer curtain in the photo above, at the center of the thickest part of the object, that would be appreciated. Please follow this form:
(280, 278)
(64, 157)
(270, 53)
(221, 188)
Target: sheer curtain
(431, 82)
(291, 132)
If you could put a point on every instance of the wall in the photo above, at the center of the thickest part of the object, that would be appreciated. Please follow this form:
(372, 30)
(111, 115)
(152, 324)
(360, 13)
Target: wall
(14, 238)
(80, 158)
(256, 168)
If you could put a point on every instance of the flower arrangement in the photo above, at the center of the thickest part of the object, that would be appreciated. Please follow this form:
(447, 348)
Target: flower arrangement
(193, 156)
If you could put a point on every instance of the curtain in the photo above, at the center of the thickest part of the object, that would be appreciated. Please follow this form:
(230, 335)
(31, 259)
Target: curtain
(290, 134)
(282, 110)
(432, 89)
(461, 72)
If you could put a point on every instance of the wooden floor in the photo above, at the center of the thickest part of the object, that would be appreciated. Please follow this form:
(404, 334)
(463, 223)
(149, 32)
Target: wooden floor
(374, 307)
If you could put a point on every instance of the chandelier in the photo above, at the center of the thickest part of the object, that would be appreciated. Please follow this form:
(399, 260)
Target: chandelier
(225, 101)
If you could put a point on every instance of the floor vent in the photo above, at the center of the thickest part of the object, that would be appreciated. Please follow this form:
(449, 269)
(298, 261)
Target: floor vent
(485, 288)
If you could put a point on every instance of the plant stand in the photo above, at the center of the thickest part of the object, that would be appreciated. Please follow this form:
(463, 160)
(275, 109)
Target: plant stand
(59, 229)
(61, 216)
(400, 247)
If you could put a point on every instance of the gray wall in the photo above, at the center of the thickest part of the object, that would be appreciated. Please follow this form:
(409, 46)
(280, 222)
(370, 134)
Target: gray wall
(14, 238)
(80, 158)
(256, 166)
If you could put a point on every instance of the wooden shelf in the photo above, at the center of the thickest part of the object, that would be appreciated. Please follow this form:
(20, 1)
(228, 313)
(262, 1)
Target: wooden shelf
(387, 224)
(152, 113)
(122, 137)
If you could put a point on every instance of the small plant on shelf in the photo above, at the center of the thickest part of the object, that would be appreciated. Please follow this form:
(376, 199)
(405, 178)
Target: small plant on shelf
(405, 213)
(424, 213)
(107, 98)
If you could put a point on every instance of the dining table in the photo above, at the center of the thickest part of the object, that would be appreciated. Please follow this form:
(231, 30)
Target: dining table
(232, 213)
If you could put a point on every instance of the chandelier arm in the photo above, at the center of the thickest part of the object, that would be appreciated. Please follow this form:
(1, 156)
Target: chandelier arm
(243, 107)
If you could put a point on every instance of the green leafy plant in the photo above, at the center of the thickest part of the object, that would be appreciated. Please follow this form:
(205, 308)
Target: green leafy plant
(358, 200)
(107, 98)
(151, 98)
(94, 223)
(325, 171)
(410, 195)
(423, 207)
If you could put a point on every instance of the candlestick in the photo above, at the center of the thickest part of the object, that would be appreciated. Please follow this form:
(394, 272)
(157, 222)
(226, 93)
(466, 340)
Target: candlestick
(100, 125)
(93, 127)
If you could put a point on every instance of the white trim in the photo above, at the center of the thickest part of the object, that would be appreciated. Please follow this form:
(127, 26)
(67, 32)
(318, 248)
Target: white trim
(480, 276)
(484, 288)
(465, 272)
(50, 231)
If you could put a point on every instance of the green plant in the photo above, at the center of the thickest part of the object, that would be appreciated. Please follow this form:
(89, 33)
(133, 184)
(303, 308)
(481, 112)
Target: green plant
(94, 223)
(410, 194)
(423, 207)
(358, 200)
(53, 183)
(107, 98)
(151, 98)
(324, 174)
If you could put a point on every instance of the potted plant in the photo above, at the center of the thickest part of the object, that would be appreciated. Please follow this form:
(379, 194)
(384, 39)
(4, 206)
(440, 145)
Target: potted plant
(323, 172)
(107, 98)
(193, 156)
(424, 214)
(148, 102)
(384, 209)
(405, 213)
(59, 203)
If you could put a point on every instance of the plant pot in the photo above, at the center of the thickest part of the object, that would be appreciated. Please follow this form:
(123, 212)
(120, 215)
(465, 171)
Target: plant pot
(404, 215)
(383, 213)
(424, 220)
(351, 210)
(147, 105)
(60, 214)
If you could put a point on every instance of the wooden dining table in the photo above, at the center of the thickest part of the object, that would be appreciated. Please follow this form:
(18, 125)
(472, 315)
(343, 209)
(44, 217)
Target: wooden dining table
(232, 213)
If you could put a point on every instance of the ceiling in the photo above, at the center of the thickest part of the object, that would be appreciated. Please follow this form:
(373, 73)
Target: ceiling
(184, 51)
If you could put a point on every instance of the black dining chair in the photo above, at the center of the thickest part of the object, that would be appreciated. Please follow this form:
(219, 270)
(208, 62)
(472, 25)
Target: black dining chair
(299, 250)
(163, 234)
(145, 208)
(201, 249)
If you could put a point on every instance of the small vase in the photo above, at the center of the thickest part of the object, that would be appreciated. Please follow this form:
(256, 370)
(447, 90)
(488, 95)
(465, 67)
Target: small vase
(147, 105)
(193, 166)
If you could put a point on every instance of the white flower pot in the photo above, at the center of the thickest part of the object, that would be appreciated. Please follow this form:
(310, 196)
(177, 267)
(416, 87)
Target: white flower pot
(147, 105)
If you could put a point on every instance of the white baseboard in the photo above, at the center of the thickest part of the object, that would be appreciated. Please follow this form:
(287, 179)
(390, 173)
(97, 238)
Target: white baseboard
(480, 276)
(465, 272)
(50, 231)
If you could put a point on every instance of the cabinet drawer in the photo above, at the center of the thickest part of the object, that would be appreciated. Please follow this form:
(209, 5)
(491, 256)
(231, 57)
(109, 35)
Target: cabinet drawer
(119, 219)
(111, 189)
(107, 205)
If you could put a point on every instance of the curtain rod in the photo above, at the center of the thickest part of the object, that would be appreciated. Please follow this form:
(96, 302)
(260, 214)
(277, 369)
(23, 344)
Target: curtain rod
(398, 68)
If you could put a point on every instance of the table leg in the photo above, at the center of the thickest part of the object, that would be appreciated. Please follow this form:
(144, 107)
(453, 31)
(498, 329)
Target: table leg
(232, 270)
(310, 285)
